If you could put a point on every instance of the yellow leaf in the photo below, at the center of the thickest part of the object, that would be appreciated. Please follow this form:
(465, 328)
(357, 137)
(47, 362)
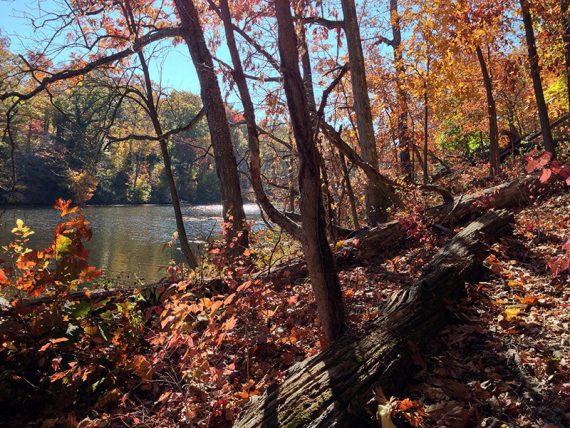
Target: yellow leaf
(511, 313)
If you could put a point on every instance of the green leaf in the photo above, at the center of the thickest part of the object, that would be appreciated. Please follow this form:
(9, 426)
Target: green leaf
(80, 310)
(62, 244)
(96, 384)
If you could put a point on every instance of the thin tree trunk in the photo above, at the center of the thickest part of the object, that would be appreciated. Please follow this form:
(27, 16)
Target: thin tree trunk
(402, 97)
(292, 190)
(491, 114)
(426, 137)
(307, 76)
(376, 200)
(307, 70)
(564, 8)
(320, 261)
(548, 141)
(252, 133)
(349, 191)
(182, 237)
(327, 196)
(226, 165)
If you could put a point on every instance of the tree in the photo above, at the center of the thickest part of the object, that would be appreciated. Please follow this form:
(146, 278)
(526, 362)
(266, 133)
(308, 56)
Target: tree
(491, 114)
(163, 141)
(320, 262)
(252, 129)
(547, 139)
(376, 202)
(215, 110)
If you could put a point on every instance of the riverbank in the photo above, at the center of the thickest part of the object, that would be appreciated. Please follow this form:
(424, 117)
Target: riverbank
(132, 242)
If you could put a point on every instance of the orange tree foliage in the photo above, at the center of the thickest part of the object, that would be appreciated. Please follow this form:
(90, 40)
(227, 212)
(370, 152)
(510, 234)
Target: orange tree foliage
(56, 270)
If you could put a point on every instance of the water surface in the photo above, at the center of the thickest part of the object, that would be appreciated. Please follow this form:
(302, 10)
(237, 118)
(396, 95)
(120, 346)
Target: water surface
(128, 240)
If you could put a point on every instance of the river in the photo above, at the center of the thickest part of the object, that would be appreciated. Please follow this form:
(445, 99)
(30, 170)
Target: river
(128, 240)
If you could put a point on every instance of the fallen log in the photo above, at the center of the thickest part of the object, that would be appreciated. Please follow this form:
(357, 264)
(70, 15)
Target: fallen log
(524, 143)
(505, 195)
(368, 243)
(332, 389)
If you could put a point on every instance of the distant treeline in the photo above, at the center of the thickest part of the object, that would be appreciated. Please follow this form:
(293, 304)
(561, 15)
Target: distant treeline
(85, 144)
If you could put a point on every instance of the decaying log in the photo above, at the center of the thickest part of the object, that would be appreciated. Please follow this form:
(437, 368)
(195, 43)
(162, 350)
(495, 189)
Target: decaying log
(368, 243)
(524, 143)
(506, 195)
(332, 388)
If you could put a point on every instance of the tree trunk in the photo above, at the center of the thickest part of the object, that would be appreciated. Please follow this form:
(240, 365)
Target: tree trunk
(402, 96)
(181, 229)
(548, 141)
(226, 165)
(291, 178)
(334, 387)
(564, 8)
(426, 135)
(349, 191)
(320, 261)
(491, 115)
(376, 200)
(307, 70)
(252, 133)
(307, 76)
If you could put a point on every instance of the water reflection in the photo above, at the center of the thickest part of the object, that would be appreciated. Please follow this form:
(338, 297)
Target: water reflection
(127, 240)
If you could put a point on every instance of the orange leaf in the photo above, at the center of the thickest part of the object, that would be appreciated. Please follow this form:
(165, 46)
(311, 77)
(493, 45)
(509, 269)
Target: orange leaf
(405, 404)
(45, 347)
(215, 306)
(244, 286)
(3, 277)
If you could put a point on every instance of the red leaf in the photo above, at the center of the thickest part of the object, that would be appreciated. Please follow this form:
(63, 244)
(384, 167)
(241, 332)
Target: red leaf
(3, 278)
(546, 174)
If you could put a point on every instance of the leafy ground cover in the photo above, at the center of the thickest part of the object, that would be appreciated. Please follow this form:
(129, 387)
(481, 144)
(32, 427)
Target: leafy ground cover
(193, 355)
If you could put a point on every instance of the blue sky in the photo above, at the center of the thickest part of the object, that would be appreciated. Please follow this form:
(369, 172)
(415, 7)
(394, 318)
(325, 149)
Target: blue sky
(175, 68)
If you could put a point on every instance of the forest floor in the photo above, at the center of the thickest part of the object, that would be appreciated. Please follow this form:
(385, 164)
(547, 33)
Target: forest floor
(505, 361)
(190, 360)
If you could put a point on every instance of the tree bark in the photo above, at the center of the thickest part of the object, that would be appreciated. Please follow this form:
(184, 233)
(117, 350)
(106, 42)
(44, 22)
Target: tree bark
(402, 96)
(376, 200)
(320, 261)
(426, 134)
(252, 132)
(491, 115)
(163, 142)
(548, 141)
(334, 387)
(226, 165)
(564, 8)
(349, 191)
